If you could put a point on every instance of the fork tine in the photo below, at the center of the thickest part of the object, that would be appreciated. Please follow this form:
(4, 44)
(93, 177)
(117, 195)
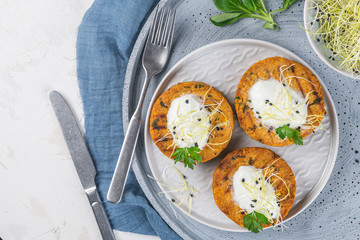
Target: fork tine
(159, 27)
(152, 29)
(166, 28)
(171, 32)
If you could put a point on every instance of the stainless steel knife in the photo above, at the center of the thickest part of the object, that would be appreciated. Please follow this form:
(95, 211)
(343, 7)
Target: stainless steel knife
(82, 160)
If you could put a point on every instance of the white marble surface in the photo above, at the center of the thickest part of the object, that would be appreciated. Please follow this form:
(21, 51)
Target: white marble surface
(41, 196)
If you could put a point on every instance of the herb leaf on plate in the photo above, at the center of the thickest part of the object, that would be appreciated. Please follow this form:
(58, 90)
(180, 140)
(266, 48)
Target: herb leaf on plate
(253, 221)
(236, 9)
(291, 134)
(189, 156)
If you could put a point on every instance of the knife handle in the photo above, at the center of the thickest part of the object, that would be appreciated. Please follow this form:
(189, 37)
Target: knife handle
(124, 162)
(100, 215)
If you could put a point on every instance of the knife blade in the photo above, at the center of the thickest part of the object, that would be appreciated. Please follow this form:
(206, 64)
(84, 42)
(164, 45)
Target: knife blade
(82, 160)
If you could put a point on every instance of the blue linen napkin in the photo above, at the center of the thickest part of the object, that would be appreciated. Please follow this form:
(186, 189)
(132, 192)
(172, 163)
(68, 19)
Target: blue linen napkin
(105, 39)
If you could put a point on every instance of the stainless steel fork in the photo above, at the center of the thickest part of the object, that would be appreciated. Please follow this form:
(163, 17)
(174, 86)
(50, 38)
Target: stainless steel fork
(155, 55)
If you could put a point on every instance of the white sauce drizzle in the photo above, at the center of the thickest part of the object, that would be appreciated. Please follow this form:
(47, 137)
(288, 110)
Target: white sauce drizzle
(276, 104)
(188, 121)
(253, 193)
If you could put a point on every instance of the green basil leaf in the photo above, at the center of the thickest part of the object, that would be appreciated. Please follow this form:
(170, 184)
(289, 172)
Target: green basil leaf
(230, 5)
(270, 25)
(226, 18)
(287, 3)
(250, 4)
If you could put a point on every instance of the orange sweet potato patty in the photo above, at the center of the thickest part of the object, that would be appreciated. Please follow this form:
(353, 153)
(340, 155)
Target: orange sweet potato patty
(300, 78)
(220, 137)
(259, 158)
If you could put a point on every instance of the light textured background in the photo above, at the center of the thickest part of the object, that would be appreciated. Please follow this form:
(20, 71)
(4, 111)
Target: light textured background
(41, 196)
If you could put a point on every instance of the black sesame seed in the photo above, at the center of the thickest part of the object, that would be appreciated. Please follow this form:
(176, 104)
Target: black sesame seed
(260, 188)
(299, 128)
(200, 108)
(186, 101)
(270, 104)
(181, 139)
(173, 200)
(196, 144)
(272, 214)
(254, 200)
(191, 195)
(174, 132)
(199, 119)
(259, 117)
(251, 205)
(288, 124)
(242, 212)
(271, 128)
(217, 128)
(284, 84)
(297, 111)
(257, 182)
(257, 112)
(243, 180)
(174, 127)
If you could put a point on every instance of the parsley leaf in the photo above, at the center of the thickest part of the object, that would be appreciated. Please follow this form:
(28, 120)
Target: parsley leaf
(291, 134)
(254, 220)
(189, 156)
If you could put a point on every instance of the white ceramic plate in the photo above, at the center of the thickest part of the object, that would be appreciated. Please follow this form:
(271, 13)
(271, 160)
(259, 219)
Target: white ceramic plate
(221, 65)
(318, 46)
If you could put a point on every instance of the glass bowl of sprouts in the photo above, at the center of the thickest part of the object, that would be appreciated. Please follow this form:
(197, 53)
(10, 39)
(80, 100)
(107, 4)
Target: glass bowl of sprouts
(333, 30)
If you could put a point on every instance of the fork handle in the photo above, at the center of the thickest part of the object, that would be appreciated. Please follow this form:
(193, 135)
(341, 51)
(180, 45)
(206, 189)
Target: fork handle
(127, 150)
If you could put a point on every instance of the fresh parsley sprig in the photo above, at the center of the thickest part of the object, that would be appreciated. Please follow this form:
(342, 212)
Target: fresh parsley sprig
(189, 156)
(236, 9)
(253, 221)
(291, 134)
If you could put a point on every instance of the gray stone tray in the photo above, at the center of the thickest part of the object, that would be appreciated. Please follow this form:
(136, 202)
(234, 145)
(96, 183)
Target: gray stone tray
(333, 214)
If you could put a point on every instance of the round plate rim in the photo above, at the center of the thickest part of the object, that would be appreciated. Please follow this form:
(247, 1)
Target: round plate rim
(335, 136)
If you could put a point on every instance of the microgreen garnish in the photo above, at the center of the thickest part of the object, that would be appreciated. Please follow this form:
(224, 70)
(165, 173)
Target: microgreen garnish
(337, 23)
(189, 156)
(254, 220)
(236, 9)
(291, 134)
